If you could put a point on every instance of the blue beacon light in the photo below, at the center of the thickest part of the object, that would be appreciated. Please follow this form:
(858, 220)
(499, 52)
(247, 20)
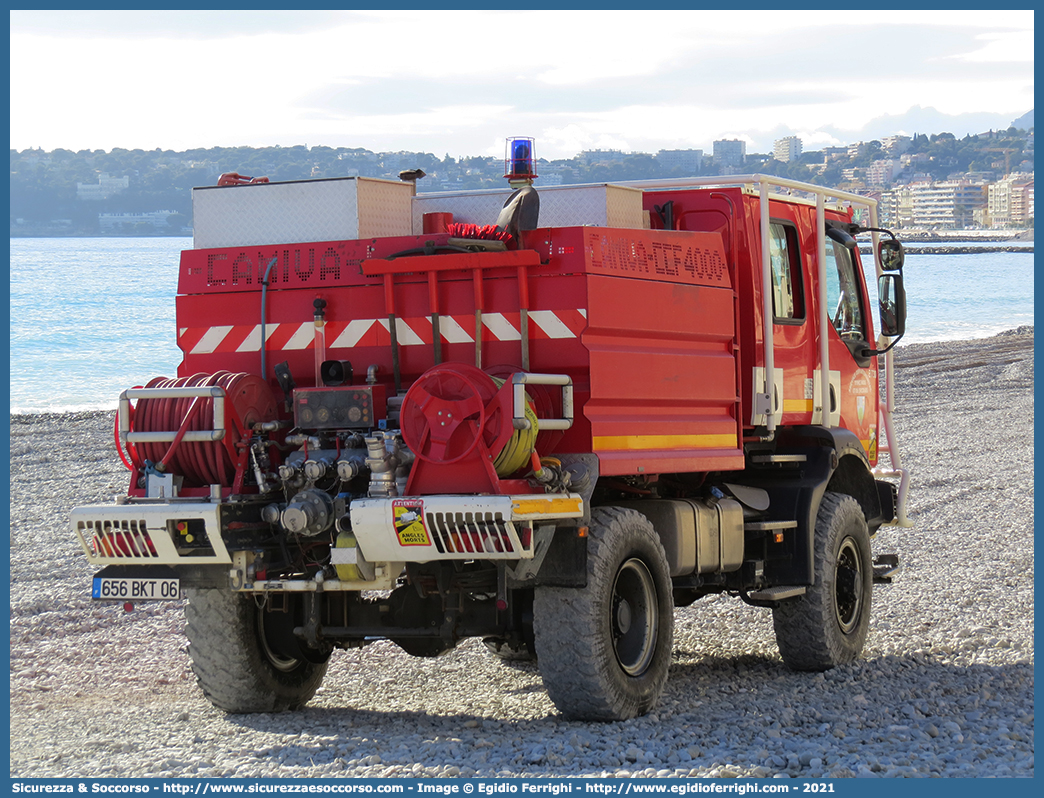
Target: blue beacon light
(518, 162)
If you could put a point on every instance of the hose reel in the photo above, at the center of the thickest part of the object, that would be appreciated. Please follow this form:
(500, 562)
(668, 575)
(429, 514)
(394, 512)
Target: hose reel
(168, 411)
(454, 406)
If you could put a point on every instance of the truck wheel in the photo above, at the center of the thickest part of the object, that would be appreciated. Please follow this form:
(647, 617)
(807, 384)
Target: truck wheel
(827, 626)
(604, 649)
(240, 660)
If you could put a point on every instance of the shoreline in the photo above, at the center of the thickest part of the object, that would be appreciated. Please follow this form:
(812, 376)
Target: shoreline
(954, 250)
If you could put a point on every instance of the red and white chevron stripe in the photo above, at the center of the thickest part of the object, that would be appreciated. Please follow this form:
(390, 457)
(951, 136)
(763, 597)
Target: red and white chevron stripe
(544, 324)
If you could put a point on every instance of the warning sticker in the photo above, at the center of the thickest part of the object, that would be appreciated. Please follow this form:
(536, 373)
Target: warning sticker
(408, 518)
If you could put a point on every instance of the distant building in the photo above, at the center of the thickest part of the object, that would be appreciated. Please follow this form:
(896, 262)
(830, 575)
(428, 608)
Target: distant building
(689, 161)
(103, 189)
(975, 177)
(908, 159)
(1022, 204)
(548, 179)
(896, 208)
(854, 184)
(946, 205)
(601, 156)
(829, 153)
(862, 215)
(787, 149)
(886, 210)
(1010, 201)
(364, 154)
(895, 145)
(158, 219)
(730, 152)
(881, 173)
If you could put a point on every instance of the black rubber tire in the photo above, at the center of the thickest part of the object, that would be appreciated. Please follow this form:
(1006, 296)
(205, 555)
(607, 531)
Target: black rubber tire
(604, 650)
(235, 669)
(827, 626)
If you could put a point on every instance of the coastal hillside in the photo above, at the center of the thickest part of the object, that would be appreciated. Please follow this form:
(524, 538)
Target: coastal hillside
(84, 193)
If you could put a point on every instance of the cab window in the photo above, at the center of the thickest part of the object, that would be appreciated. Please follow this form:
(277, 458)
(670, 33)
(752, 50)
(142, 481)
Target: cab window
(844, 300)
(788, 298)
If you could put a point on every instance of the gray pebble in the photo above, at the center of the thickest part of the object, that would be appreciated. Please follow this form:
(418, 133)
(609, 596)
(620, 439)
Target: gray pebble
(945, 687)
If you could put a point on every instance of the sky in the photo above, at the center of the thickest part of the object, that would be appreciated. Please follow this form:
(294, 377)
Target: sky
(460, 82)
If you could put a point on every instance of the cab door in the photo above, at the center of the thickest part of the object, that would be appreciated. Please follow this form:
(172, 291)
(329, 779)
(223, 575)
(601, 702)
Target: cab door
(791, 326)
(850, 331)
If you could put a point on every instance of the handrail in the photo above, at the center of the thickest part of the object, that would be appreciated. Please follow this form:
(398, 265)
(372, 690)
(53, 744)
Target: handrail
(824, 318)
(768, 398)
(751, 179)
(214, 392)
(520, 380)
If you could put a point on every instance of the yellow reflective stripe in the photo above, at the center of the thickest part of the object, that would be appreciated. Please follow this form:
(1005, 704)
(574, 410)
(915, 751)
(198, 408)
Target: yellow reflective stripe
(798, 405)
(611, 442)
(562, 505)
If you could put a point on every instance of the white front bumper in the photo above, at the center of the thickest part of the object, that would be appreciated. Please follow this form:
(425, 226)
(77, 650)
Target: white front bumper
(424, 528)
(119, 534)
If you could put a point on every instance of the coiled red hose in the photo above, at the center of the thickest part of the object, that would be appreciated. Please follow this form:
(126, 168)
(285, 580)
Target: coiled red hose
(199, 462)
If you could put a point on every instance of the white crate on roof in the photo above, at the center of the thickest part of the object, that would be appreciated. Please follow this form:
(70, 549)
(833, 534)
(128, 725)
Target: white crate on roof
(599, 204)
(298, 211)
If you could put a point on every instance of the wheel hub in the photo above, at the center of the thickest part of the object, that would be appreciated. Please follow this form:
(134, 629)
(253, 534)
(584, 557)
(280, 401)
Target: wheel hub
(634, 618)
(623, 616)
(848, 581)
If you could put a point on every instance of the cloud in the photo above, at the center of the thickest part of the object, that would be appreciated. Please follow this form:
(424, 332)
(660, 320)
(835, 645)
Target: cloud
(575, 138)
(931, 120)
(1009, 46)
(460, 81)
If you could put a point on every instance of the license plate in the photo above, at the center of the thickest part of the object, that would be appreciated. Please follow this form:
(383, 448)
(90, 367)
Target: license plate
(135, 589)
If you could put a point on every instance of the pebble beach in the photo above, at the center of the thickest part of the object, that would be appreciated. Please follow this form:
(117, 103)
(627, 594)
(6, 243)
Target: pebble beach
(944, 689)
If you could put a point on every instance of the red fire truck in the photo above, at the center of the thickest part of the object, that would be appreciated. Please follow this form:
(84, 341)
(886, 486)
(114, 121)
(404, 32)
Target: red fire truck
(544, 419)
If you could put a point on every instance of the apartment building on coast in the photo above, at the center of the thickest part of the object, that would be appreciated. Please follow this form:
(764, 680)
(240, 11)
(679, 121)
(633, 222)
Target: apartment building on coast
(1010, 201)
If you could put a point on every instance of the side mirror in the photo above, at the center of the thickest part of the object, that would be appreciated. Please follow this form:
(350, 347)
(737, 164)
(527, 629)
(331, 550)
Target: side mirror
(892, 298)
(841, 237)
(890, 254)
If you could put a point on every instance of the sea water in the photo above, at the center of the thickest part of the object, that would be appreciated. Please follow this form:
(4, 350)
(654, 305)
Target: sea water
(93, 316)
(89, 318)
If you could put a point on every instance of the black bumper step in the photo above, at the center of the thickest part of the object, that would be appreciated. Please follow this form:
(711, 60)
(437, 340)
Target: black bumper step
(885, 567)
(777, 593)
